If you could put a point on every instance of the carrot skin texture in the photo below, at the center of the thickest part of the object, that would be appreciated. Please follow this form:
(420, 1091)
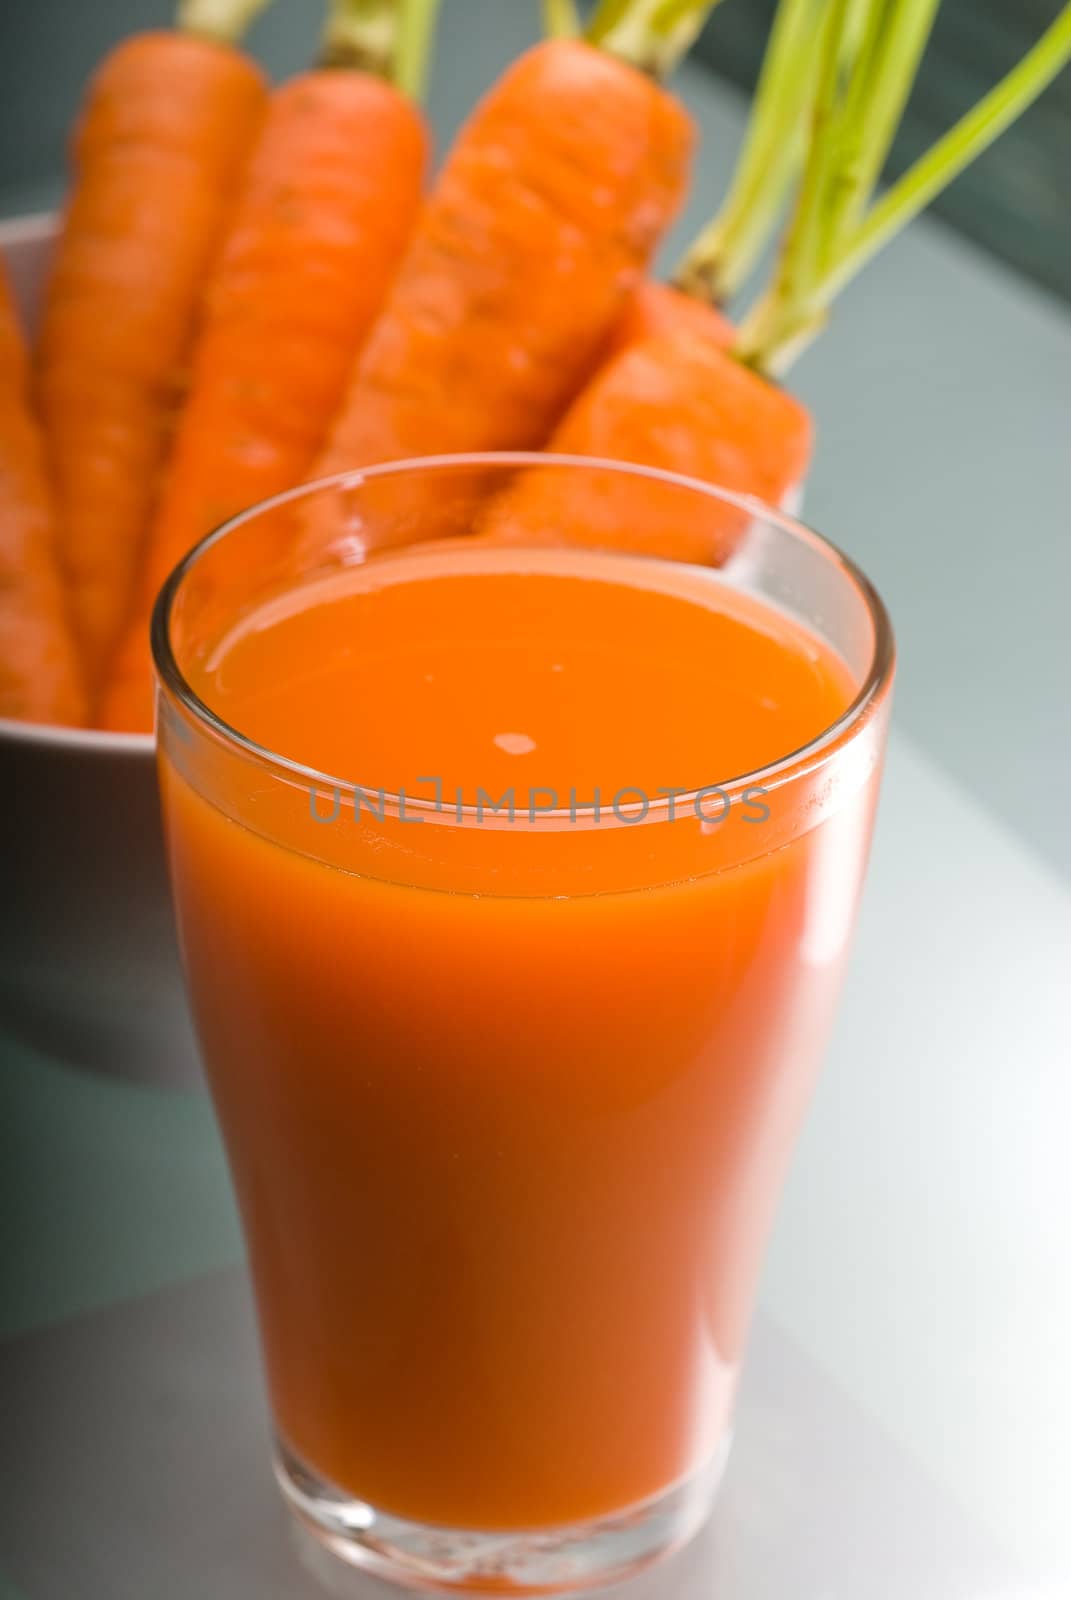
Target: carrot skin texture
(326, 208)
(163, 135)
(680, 403)
(40, 676)
(658, 308)
(547, 211)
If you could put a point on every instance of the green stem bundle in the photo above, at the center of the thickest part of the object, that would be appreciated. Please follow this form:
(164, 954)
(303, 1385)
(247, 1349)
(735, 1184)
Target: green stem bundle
(561, 20)
(416, 42)
(652, 35)
(836, 225)
(893, 41)
(945, 160)
(725, 253)
(392, 39)
(226, 21)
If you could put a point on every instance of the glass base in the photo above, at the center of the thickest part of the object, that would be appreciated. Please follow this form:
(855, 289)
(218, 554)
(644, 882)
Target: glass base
(575, 1556)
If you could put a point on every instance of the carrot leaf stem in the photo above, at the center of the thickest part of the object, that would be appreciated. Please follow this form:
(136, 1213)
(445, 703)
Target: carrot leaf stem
(391, 39)
(785, 313)
(608, 15)
(561, 20)
(415, 45)
(361, 34)
(226, 21)
(954, 151)
(651, 35)
(894, 40)
(722, 257)
(836, 227)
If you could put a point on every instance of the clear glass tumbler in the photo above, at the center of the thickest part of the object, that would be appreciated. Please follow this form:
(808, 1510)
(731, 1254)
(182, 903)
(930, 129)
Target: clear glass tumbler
(509, 1081)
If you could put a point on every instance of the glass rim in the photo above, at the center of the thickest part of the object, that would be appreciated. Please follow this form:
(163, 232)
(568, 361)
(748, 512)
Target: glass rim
(772, 775)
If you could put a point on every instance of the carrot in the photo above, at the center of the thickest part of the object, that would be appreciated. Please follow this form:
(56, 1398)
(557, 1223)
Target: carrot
(543, 219)
(680, 402)
(660, 308)
(40, 680)
(329, 200)
(675, 401)
(163, 135)
(693, 408)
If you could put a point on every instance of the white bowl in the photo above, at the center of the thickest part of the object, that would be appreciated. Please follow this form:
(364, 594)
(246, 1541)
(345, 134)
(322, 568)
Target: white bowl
(89, 967)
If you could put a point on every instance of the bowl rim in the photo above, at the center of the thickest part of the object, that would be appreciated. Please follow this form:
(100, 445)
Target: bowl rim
(99, 741)
(29, 227)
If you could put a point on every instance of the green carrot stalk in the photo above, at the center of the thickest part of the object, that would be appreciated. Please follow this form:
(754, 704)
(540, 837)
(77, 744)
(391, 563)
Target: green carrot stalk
(837, 226)
(722, 257)
(801, 253)
(653, 35)
(392, 39)
(227, 21)
(561, 20)
(974, 132)
(416, 41)
(894, 40)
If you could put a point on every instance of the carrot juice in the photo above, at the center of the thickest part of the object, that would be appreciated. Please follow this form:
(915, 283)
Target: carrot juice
(511, 995)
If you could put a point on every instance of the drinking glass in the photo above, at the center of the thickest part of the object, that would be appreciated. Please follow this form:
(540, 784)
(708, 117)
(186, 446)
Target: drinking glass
(508, 1092)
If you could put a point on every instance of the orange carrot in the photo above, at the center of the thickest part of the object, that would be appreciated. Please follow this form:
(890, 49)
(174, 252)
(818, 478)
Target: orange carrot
(548, 209)
(681, 403)
(328, 203)
(693, 408)
(659, 308)
(163, 136)
(40, 679)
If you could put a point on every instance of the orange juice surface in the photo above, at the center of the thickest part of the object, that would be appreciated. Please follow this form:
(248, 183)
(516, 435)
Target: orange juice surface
(509, 1097)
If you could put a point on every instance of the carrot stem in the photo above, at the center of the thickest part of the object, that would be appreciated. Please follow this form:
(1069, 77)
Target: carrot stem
(835, 230)
(391, 39)
(955, 150)
(416, 42)
(226, 21)
(608, 15)
(722, 257)
(895, 37)
(561, 20)
(651, 35)
(785, 314)
(362, 35)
